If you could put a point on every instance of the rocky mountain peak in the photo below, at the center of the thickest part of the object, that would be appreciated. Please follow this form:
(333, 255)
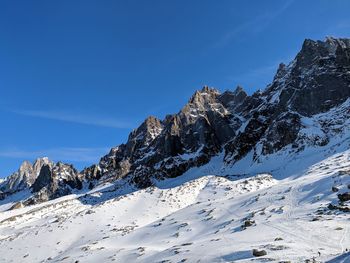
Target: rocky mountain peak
(202, 101)
(316, 53)
(54, 181)
(24, 177)
(281, 71)
(334, 43)
(239, 90)
(205, 95)
(233, 99)
(316, 80)
(40, 162)
(152, 126)
(25, 167)
(43, 160)
(209, 90)
(144, 134)
(26, 173)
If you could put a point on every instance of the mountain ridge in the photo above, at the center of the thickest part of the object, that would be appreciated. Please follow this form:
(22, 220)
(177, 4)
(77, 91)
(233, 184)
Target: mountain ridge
(211, 122)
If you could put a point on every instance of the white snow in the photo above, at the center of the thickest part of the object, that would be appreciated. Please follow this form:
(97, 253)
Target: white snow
(276, 97)
(198, 216)
(188, 156)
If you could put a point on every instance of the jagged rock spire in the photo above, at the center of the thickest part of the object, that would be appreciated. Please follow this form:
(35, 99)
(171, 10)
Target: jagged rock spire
(24, 177)
(144, 134)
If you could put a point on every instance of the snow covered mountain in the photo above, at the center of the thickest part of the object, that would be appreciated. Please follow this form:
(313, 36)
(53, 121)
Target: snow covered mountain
(197, 217)
(228, 174)
(286, 114)
(23, 178)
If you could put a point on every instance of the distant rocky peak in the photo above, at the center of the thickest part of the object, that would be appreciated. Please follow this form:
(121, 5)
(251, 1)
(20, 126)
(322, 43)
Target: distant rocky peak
(63, 170)
(281, 71)
(206, 94)
(62, 165)
(206, 89)
(281, 78)
(334, 43)
(26, 167)
(140, 138)
(232, 99)
(313, 51)
(19, 180)
(239, 90)
(200, 102)
(147, 131)
(43, 160)
(153, 127)
(55, 181)
(24, 177)
(316, 80)
(40, 162)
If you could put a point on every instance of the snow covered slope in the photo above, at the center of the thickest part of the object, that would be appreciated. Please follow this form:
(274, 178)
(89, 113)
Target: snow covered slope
(193, 218)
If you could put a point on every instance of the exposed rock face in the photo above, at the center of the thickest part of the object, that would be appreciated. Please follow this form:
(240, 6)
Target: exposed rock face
(119, 160)
(24, 177)
(39, 163)
(309, 89)
(20, 179)
(44, 178)
(55, 181)
(306, 104)
(170, 147)
(259, 253)
(317, 80)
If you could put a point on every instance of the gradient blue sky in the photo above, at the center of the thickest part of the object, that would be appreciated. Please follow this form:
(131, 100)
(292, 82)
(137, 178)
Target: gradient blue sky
(77, 76)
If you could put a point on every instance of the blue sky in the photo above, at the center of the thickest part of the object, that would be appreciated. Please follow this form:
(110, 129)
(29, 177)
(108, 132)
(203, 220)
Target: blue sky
(77, 76)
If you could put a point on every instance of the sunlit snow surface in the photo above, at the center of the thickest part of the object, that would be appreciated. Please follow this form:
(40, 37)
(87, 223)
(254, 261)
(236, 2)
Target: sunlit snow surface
(197, 217)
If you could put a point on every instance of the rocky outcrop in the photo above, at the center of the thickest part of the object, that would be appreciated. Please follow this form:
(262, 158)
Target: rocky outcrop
(44, 178)
(344, 197)
(24, 177)
(170, 147)
(54, 181)
(315, 82)
(39, 163)
(259, 253)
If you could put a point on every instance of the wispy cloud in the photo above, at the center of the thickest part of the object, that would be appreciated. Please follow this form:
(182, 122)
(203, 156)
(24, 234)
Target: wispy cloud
(339, 29)
(254, 26)
(262, 75)
(259, 72)
(67, 154)
(75, 117)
